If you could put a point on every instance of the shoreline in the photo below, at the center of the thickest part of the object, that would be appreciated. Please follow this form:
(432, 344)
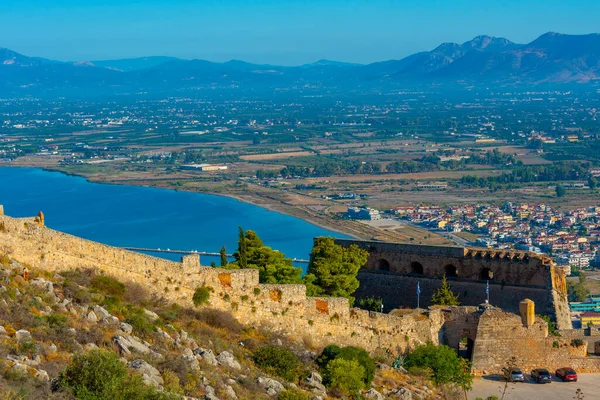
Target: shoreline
(249, 199)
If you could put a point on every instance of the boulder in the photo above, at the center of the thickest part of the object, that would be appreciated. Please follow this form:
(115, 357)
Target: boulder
(20, 368)
(151, 314)
(227, 359)
(401, 394)
(127, 344)
(125, 327)
(207, 355)
(101, 312)
(191, 361)
(315, 383)
(373, 394)
(42, 375)
(3, 331)
(271, 386)
(230, 393)
(150, 374)
(22, 334)
(210, 393)
(45, 285)
(91, 316)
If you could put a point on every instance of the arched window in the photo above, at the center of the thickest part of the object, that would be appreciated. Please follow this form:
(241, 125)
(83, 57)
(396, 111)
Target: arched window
(450, 271)
(416, 268)
(383, 265)
(486, 274)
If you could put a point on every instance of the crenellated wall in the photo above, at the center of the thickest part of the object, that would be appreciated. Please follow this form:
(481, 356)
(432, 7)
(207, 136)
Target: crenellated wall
(393, 270)
(281, 308)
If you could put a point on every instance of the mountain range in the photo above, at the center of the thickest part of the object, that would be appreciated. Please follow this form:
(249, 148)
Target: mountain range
(552, 58)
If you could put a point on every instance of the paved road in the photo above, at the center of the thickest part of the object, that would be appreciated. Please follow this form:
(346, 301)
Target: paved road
(557, 390)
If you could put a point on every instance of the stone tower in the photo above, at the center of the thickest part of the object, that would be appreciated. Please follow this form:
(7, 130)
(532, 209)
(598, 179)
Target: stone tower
(527, 311)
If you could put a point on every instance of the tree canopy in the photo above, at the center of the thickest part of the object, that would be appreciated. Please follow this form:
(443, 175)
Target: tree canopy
(333, 269)
(445, 365)
(444, 296)
(272, 265)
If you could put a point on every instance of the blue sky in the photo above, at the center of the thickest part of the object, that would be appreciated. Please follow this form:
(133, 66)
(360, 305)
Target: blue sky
(285, 32)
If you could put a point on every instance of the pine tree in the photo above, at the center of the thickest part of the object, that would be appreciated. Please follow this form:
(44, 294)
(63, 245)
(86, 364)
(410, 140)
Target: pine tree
(444, 296)
(223, 254)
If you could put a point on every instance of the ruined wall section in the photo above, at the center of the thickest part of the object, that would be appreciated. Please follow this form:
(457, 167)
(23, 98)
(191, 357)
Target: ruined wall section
(401, 291)
(501, 335)
(393, 270)
(281, 308)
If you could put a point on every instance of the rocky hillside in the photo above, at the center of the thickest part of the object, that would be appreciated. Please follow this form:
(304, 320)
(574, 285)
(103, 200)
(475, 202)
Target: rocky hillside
(84, 335)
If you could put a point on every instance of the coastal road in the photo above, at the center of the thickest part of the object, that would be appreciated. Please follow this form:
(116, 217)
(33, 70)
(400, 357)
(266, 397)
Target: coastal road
(557, 390)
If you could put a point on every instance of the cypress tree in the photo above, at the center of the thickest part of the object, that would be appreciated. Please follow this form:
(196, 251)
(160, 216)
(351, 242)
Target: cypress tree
(223, 257)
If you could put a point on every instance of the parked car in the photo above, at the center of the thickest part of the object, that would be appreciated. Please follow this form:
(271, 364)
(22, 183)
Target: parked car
(566, 374)
(513, 374)
(541, 375)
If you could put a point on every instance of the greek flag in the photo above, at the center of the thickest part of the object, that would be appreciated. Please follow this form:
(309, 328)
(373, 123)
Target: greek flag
(487, 287)
(418, 289)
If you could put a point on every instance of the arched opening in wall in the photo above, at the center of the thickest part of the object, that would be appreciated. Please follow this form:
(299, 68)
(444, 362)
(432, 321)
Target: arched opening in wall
(383, 265)
(450, 271)
(416, 268)
(486, 274)
(465, 348)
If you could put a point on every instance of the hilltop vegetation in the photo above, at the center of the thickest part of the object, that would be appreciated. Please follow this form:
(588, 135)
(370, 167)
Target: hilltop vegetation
(83, 335)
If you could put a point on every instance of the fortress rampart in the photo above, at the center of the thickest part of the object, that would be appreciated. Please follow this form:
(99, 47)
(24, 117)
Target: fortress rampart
(280, 308)
(492, 336)
(393, 270)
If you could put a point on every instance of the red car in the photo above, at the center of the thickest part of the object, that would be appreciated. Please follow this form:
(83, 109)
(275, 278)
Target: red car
(566, 374)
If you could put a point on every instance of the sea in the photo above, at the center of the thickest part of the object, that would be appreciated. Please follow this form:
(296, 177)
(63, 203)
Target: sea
(141, 217)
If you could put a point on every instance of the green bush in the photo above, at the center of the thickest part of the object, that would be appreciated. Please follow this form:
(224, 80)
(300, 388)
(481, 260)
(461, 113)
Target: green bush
(577, 342)
(278, 361)
(370, 303)
(99, 375)
(140, 322)
(293, 394)
(551, 325)
(56, 321)
(445, 365)
(346, 375)
(333, 352)
(201, 295)
(107, 286)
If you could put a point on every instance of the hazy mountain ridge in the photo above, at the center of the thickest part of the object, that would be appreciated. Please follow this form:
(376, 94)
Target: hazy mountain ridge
(551, 58)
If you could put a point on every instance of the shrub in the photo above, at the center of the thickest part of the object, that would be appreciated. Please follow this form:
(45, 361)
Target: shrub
(278, 361)
(140, 321)
(445, 365)
(577, 342)
(293, 394)
(201, 295)
(107, 286)
(56, 321)
(333, 352)
(370, 304)
(551, 325)
(220, 319)
(346, 375)
(99, 375)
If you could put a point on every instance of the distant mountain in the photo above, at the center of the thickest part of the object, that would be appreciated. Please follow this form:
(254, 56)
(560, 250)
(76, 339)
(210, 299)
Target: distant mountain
(134, 64)
(551, 58)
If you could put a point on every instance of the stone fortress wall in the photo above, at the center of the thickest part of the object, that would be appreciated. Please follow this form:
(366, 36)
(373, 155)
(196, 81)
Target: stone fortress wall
(393, 270)
(287, 310)
(280, 308)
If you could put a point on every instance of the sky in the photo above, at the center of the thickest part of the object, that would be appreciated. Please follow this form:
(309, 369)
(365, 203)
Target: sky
(283, 32)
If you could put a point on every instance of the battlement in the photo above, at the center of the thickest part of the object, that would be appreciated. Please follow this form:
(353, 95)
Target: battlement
(393, 270)
(282, 308)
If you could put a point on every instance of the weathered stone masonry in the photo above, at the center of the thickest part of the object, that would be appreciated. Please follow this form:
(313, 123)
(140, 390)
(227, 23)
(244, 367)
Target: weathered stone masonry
(393, 270)
(281, 308)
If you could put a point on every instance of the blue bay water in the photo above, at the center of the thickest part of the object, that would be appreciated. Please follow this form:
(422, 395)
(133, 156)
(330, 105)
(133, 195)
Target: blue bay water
(133, 216)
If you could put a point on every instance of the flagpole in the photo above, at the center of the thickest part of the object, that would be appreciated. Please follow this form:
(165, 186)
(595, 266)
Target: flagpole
(487, 291)
(418, 294)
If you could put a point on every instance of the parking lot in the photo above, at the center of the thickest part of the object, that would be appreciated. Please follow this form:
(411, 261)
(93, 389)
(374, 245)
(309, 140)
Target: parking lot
(557, 390)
